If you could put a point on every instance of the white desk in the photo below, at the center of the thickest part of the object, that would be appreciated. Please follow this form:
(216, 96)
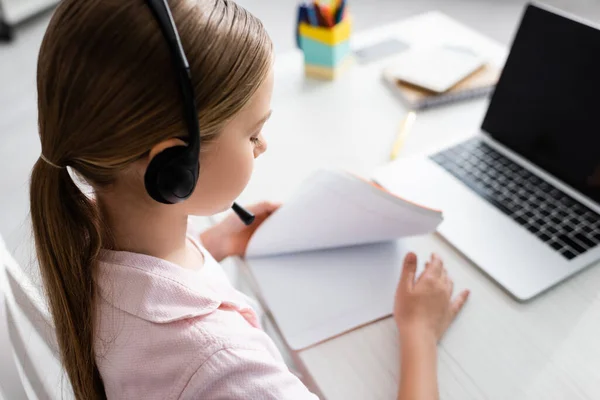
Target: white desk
(498, 348)
(18, 10)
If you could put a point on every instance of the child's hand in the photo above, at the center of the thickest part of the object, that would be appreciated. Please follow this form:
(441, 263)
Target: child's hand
(424, 308)
(230, 237)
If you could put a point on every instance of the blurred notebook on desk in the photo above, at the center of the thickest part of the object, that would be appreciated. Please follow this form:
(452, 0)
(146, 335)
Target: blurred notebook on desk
(479, 83)
(327, 261)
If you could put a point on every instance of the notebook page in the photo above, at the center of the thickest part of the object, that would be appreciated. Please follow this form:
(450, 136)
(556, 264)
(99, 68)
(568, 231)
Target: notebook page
(314, 296)
(335, 209)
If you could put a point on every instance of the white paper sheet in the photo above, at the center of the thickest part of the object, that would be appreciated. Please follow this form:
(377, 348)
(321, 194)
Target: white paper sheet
(314, 296)
(335, 209)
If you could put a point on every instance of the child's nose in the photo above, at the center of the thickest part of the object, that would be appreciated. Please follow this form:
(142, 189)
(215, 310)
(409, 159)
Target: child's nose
(261, 148)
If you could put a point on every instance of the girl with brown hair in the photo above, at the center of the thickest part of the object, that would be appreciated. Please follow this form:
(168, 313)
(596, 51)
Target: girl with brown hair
(140, 304)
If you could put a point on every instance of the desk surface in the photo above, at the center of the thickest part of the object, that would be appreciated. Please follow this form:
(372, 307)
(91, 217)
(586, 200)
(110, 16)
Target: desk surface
(498, 348)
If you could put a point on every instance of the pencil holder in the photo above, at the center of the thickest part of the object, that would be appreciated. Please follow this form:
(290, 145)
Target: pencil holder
(327, 52)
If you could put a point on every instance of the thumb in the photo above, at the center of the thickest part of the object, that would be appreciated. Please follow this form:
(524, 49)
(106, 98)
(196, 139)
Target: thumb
(409, 271)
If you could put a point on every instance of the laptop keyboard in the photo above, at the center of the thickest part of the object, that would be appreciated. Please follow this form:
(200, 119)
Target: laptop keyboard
(560, 221)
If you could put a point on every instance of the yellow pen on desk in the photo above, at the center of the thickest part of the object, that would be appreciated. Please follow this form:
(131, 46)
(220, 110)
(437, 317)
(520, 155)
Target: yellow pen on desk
(405, 127)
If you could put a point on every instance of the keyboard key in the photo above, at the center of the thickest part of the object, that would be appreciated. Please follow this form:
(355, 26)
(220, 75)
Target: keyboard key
(520, 220)
(535, 181)
(573, 220)
(591, 218)
(512, 206)
(507, 193)
(496, 189)
(556, 245)
(539, 221)
(567, 229)
(544, 212)
(500, 206)
(587, 229)
(529, 214)
(568, 254)
(556, 194)
(579, 209)
(522, 177)
(539, 199)
(544, 236)
(572, 243)
(533, 228)
(513, 185)
(585, 209)
(521, 173)
(585, 240)
(523, 197)
(562, 213)
(569, 204)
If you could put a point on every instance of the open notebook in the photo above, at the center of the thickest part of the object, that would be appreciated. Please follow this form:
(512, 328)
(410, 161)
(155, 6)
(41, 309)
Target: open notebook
(327, 261)
(337, 209)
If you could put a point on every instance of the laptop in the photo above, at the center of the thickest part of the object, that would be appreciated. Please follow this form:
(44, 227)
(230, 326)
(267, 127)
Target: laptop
(521, 198)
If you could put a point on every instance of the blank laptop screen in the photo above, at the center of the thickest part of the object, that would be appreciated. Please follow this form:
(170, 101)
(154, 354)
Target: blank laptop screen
(546, 105)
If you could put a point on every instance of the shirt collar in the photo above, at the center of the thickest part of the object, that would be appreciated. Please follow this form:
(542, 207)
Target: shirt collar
(154, 289)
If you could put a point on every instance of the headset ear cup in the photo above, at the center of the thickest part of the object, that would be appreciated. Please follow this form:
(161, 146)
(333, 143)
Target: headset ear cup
(170, 178)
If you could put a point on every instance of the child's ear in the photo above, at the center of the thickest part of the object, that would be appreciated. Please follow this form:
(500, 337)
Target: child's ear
(163, 146)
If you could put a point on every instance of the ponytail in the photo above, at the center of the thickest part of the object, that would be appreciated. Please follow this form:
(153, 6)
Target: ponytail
(68, 238)
(106, 96)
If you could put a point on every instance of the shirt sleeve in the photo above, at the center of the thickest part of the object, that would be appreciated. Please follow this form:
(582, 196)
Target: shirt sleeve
(245, 374)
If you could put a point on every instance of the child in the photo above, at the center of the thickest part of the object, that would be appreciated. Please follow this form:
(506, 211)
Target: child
(140, 304)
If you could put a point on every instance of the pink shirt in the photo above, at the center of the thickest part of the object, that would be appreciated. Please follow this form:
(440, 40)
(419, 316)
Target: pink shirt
(165, 332)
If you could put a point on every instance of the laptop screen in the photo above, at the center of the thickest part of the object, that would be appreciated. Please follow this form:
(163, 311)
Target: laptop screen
(546, 106)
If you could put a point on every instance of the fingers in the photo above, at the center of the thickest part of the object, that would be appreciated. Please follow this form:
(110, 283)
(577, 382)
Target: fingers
(433, 269)
(444, 275)
(450, 287)
(265, 207)
(435, 266)
(447, 282)
(409, 270)
(459, 302)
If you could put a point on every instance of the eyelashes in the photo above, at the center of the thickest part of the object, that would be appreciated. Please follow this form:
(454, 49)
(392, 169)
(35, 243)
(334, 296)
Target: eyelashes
(256, 141)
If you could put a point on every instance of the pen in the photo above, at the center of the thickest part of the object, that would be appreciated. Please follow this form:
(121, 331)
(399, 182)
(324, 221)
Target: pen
(246, 216)
(302, 19)
(334, 5)
(301, 16)
(321, 20)
(312, 14)
(327, 14)
(405, 127)
(339, 12)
